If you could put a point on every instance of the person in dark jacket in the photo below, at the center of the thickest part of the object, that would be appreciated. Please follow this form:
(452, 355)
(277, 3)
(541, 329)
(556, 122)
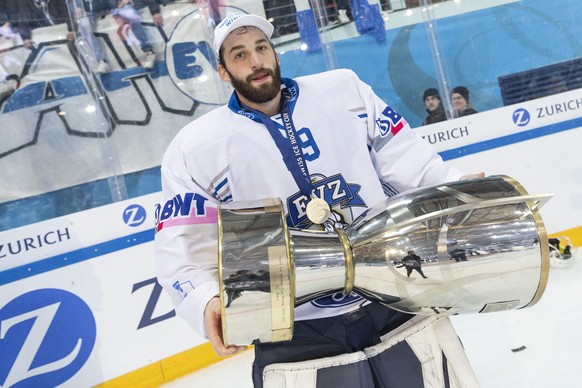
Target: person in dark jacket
(460, 101)
(412, 262)
(26, 15)
(86, 14)
(434, 107)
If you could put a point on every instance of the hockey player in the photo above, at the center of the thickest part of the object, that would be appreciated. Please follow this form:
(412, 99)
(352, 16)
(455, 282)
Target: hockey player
(324, 137)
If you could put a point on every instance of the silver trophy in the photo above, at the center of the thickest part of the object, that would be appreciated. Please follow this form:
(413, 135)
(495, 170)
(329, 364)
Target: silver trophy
(481, 243)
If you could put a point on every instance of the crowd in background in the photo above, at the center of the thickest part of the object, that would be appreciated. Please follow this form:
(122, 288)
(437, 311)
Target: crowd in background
(460, 105)
(19, 18)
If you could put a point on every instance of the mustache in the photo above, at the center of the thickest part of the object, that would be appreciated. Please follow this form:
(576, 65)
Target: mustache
(262, 71)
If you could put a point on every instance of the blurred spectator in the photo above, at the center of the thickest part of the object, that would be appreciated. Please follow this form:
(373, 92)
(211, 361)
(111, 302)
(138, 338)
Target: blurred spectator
(434, 107)
(344, 11)
(3, 16)
(8, 35)
(460, 101)
(126, 14)
(210, 11)
(154, 7)
(86, 15)
(282, 13)
(8, 38)
(26, 15)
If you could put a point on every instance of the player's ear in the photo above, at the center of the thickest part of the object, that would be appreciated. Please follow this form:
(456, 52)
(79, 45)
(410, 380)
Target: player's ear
(223, 74)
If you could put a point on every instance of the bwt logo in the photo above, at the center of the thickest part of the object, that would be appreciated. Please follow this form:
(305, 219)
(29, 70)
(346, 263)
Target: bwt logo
(521, 117)
(230, 19)
(46, 336)
(134, 215)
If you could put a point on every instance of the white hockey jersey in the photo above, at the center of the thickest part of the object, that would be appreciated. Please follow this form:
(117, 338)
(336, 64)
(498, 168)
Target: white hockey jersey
(358, 151)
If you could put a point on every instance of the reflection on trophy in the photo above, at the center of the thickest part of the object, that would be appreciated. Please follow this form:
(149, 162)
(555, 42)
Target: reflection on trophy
(482, 245)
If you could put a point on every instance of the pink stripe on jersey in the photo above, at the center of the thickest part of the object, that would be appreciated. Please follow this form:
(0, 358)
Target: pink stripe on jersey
(211, 217)
(398, 126)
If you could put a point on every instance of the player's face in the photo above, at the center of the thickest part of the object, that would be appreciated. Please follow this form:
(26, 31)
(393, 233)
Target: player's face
(431, 103)
(251, 66)
(458, 101)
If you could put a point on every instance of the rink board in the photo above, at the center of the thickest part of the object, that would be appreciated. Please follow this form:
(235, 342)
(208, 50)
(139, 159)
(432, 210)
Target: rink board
(98, 267)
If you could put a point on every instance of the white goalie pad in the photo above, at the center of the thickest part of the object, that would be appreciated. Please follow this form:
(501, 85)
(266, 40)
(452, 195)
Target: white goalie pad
(425, 352)
(351, 369)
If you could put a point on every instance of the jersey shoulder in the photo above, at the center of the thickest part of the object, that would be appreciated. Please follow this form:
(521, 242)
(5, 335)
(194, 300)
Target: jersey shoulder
(330, 84)
(336, 75)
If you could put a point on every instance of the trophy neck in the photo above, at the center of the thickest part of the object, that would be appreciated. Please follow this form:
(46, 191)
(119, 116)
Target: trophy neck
(320, 263)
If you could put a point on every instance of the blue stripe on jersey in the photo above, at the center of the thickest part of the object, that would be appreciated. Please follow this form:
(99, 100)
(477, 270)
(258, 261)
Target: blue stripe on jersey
(363, 115)
(220, 186)
(389, 191)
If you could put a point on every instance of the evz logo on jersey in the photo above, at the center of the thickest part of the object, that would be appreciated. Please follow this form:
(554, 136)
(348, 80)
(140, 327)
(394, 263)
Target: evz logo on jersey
(46, 336)
(392, 124)
(334, 190)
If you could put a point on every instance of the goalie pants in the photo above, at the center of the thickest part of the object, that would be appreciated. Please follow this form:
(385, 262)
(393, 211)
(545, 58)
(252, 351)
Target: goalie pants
(325, 337)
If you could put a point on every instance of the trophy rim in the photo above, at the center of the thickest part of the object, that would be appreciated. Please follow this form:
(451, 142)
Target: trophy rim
(290, 265)
(349, 260)
(220, 281)
(543, 238)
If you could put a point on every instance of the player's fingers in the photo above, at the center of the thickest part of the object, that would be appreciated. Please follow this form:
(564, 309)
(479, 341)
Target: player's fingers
(472, 176)
(213, 326)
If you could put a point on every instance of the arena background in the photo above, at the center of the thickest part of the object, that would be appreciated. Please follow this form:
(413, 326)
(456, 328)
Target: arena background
(80, 153)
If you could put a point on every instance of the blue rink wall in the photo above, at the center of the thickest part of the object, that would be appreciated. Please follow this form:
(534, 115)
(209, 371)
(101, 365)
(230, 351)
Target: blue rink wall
(77, 248)
(478, 48)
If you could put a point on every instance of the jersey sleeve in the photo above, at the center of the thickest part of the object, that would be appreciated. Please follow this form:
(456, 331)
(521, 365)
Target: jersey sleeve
(186, 241)
(402, 159)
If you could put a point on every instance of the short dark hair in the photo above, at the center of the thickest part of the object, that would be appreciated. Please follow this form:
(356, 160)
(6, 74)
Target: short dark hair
(431, 92)
(463, 91)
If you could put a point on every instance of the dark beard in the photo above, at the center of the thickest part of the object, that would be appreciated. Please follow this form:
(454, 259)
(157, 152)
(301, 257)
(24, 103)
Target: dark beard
(263, 93)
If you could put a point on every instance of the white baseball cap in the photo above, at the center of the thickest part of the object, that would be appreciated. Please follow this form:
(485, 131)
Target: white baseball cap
(234, 21)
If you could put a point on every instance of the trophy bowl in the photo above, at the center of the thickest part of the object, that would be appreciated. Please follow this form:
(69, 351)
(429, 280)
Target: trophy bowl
(481, 247)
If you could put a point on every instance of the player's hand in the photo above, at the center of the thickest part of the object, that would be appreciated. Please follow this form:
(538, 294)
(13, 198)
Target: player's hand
(472, 176)
(213, 326)
(158, 19)
(29, 44)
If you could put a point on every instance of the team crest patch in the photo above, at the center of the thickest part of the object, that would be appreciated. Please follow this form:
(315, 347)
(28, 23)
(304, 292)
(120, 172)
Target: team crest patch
(339, 194)
(391, 122)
